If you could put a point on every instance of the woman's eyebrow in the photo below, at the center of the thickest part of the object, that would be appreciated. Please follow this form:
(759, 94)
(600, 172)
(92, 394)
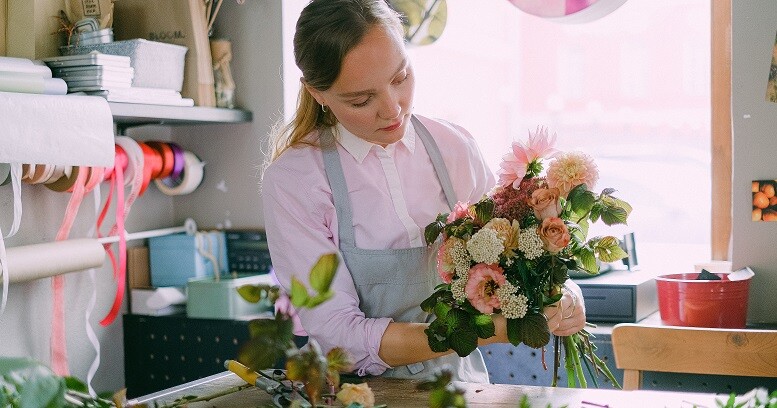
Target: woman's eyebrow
(402, 66)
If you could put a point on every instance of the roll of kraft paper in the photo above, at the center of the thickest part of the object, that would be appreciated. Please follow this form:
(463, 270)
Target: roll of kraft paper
(38, 261)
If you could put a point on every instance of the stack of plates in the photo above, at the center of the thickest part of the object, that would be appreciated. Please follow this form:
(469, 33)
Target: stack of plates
(92, 72)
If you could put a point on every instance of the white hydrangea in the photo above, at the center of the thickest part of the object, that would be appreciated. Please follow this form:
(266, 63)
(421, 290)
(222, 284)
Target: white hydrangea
(513, 306)
(458, 287)
(485, 246)
(530, 243)
(460, 257)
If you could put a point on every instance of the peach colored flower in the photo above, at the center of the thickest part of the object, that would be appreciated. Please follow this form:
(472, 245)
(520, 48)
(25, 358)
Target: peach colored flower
(449, 255)
(514, 165)
(545, 202)
(554, 234)
(356, 393)
(460, 210)
(570, 170)
(507, 231)
(484, 280)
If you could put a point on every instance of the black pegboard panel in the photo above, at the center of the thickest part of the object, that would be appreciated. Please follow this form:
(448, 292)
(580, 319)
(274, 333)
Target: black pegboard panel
(165, 351)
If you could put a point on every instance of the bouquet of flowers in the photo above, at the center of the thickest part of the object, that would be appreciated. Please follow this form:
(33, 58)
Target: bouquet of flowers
(512, 251)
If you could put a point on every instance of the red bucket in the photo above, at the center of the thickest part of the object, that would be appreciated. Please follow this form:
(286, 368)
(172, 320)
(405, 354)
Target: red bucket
(685, 301)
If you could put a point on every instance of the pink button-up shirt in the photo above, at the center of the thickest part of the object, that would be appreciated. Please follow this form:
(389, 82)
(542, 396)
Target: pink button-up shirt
(394, 193)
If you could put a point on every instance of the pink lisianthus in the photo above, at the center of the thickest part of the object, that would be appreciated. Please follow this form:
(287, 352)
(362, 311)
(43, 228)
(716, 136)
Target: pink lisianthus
(570, 170)
(554, 234)
(484, 280)
(460, 210)
(515, 164)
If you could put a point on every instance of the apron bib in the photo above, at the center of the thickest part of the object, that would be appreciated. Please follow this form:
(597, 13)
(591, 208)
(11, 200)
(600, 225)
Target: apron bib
(394, 282)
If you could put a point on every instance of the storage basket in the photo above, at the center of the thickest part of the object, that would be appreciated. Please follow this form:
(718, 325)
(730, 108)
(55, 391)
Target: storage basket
(157, 64)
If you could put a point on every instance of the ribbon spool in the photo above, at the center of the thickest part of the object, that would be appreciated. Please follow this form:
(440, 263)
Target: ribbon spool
(192, 175)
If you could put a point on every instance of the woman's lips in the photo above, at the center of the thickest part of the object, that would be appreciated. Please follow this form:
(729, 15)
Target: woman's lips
(392, 127)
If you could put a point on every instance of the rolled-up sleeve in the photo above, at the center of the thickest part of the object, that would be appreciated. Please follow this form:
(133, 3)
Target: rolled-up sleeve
(301, 226)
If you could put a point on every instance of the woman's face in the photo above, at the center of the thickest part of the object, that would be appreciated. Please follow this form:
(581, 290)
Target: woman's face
(373, 96)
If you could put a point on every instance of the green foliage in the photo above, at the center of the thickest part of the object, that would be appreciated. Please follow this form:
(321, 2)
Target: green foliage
(531, 330)
(756, 398)
(443, 394)
(423, 25)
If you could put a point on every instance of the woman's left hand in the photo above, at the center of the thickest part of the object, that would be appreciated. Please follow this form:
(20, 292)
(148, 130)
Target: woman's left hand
(567, 316)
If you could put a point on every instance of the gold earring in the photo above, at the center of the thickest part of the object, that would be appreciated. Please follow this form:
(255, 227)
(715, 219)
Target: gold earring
(323, 108)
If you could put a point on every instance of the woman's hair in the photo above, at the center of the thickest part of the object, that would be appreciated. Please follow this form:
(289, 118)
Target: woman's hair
(326, 31)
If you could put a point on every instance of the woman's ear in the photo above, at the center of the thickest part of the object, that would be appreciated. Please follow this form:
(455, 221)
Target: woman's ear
(317, 95)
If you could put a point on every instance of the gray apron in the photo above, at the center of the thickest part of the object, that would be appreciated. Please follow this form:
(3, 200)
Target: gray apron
(394, 282)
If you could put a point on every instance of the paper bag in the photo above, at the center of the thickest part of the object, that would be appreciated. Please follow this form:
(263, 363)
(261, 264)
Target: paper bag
(179, 22)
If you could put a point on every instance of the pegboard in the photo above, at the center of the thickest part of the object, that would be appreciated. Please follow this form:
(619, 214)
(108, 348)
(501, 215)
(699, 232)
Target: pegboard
(165, 351)
(508, 364)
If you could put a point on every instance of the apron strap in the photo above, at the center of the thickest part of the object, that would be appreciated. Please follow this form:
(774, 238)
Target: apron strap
(336, 178)
(334, 174)
(437, 162)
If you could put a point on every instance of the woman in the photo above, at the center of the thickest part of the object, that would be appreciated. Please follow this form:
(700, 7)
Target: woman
(356, 172)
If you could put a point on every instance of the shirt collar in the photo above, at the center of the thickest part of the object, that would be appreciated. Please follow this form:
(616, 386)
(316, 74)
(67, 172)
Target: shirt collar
(360, 148)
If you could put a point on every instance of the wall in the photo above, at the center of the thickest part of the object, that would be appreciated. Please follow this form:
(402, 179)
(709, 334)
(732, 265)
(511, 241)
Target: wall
(754, 147)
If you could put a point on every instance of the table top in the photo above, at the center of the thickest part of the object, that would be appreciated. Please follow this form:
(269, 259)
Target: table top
(403, 394)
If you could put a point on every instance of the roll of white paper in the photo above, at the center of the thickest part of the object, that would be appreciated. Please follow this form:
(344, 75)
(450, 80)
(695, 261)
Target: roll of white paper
(30, 262)
(67, 130)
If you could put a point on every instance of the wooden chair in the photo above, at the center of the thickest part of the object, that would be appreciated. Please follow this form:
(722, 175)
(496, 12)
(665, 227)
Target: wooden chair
(693, 350)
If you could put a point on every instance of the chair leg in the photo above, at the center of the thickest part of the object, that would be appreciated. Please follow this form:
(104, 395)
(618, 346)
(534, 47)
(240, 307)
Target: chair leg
(632, 379)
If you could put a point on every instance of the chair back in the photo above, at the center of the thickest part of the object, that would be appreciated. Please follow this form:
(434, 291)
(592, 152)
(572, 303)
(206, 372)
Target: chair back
(692, 350)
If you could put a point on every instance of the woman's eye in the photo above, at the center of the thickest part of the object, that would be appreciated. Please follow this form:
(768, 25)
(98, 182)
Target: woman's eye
(402, 79)
(360, 104)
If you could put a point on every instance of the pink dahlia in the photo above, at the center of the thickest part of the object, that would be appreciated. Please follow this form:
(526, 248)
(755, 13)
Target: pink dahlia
(570, 170)
(515, 164)
(484, 280)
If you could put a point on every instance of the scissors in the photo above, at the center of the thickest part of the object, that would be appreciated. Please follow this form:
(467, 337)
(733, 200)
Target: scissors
(274, 382)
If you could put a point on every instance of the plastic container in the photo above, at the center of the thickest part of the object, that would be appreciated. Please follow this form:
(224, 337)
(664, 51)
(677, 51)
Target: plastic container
(211, 299)
(157, 64)
(685, 301)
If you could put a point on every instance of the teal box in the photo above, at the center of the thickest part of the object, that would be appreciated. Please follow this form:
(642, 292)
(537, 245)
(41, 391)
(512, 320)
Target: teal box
(207, 298)
(174, 259)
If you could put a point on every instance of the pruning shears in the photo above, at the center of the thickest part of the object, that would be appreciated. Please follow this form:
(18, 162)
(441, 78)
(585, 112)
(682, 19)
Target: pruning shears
(274, 382)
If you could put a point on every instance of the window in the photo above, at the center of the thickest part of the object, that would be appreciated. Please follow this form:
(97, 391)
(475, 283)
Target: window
(632, 89)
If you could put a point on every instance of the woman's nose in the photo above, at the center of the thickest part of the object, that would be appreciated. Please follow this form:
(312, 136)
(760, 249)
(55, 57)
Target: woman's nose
(390, 107)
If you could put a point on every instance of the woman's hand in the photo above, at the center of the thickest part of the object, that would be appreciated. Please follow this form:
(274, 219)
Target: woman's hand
(567, 316)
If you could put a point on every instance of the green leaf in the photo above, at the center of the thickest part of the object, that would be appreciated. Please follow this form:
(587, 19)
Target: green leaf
(463, 342)
(587, 259)
(251, 293)
(323, 272)
(319, 299)
(299, 293)
(581, 200)
(484, 210)
(27, 383)
(608, 249)
(437, 343)
(484, 326)
(433, 230)
(441, 310)
(458, 319)
(533, 330)
(614, 211)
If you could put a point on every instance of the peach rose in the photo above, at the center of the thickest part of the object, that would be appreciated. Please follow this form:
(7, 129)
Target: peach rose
(554, 234)
(545, 202)
(358, 393)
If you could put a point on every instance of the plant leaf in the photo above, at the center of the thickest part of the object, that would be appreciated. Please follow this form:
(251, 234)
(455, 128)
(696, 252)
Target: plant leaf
(251, 293)
(319, 299)
(433, 230)
(299, 293)
(533, 330)
(608, 249)
(463, 342)
(323, 272)
(484, 326)
(587, 259)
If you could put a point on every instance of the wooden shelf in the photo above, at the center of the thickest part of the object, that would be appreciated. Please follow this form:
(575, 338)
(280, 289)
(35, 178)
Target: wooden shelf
(132, 114)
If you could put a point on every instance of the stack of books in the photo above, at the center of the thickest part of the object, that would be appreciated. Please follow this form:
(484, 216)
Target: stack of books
(27, 76)
(109, 76)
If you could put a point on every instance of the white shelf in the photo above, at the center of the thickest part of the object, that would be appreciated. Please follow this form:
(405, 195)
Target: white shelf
(133, 114)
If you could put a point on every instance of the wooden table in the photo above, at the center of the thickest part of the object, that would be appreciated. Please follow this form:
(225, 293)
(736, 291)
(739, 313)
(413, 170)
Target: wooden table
(403, 394)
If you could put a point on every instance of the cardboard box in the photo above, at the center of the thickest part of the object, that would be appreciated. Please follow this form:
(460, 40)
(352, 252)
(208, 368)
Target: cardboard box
(138, 268)
(3, 22)
(32, 28)
(180, 22)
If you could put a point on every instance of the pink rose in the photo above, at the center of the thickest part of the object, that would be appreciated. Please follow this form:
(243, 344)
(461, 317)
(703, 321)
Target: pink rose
(484, 280)
(460, 210)
(545, 202)
(554, 234)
